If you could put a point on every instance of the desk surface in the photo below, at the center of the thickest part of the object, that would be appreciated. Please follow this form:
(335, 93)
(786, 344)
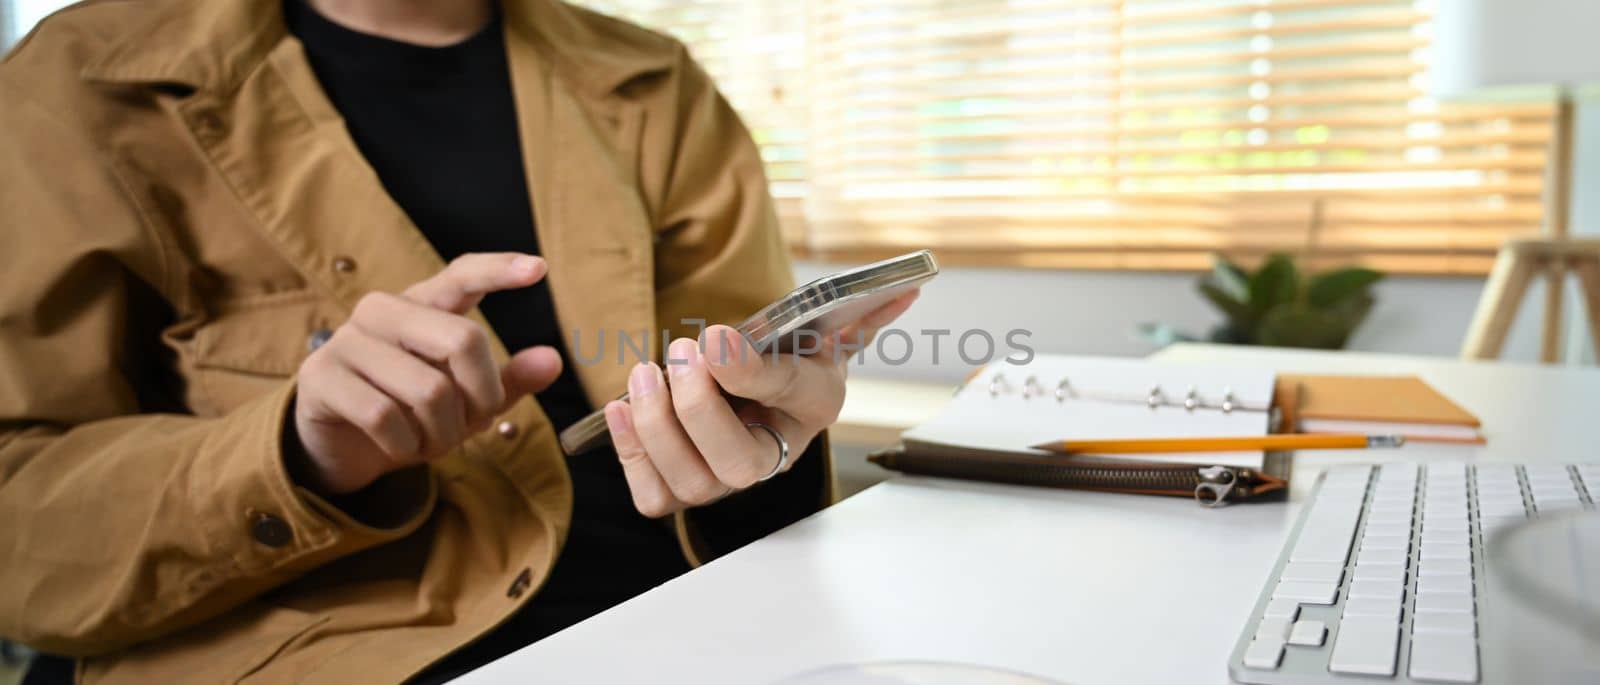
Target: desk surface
(1079, 587)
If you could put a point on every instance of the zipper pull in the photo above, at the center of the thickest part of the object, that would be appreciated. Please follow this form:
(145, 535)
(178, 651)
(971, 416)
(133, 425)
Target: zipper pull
(1216, 484)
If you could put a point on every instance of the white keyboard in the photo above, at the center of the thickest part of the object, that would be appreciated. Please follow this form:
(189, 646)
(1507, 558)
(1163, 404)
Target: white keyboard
(1384, 577)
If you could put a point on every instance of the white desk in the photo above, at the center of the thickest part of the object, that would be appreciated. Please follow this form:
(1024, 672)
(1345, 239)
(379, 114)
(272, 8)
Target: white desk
(1079, 587)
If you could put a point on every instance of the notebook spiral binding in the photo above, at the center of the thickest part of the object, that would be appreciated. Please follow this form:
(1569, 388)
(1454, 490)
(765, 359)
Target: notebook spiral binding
(1191, 400)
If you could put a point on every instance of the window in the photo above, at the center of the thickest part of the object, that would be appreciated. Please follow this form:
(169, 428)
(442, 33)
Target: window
(1117, 133)
(1108, 133)
(17, 17)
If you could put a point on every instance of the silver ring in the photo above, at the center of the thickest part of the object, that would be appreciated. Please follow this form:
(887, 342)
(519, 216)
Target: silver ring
(783, 449)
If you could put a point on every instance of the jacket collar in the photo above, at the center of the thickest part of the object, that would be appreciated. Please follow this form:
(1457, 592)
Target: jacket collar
(213, 45)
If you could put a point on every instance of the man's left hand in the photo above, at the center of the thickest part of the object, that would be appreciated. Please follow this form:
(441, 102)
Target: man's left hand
(684, 443)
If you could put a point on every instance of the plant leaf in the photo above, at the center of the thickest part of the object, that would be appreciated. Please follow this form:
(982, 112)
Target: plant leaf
(1273, 284)
(1229, 278)
(1333, 287)
(1298, 325)
(1237, 312)
(1223, 333)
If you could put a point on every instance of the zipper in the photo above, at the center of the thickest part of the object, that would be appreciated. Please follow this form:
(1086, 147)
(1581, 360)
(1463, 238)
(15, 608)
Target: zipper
(1210, 485)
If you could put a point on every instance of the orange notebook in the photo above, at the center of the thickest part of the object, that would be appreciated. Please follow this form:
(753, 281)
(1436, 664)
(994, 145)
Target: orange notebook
(1402, 405)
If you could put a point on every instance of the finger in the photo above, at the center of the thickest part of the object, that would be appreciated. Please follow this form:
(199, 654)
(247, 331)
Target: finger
(746, 372)
(351, 398)
(529, 371)
(671, 451)
(858, 334)
(455, 342)
(462, 284)
(650, 493)
(721, 438)
(432, 397)
(810, 388)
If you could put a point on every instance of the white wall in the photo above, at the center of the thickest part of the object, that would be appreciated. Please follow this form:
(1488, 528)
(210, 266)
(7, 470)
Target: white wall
(1095, 312)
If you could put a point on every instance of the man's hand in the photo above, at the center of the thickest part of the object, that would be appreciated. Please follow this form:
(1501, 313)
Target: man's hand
(408, 378)
(682, 443)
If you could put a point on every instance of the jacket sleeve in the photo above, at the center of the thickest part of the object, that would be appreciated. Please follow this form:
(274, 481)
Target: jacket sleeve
(721, 257)
(118, 524)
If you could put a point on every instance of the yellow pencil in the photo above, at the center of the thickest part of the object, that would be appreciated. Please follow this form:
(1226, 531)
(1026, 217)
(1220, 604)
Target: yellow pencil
(1241, 444)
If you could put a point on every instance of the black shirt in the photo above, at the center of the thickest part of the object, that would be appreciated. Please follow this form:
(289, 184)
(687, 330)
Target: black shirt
(439, 125)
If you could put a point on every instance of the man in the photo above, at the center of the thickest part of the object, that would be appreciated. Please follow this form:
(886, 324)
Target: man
(271, 314)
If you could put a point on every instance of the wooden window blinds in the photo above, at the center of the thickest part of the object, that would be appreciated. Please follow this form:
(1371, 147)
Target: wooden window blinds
(1136, 134)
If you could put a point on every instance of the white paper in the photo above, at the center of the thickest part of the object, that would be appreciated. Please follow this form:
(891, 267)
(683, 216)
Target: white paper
(1010, 422)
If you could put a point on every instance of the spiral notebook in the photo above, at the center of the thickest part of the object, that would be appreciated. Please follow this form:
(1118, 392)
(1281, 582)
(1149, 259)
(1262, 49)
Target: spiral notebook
(1007, 408)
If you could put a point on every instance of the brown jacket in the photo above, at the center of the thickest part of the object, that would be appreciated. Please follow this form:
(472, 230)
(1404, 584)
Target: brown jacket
(181, 207)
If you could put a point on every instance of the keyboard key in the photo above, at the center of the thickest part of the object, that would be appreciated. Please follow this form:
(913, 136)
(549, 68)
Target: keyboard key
(1365, 645)
(1454, 584)
(1388, 610)
(1454, 524)
(1398, 542)
(1308, 633)
(1275, 628)
(1390, 573)
(1494, 524)
(1281, 608)
(1311, 571)
(1490, 501)
(1511, 495)
(1393, 505)
(1263, 654)
(1447, 657)
(1389, 529)
(1327, 533)
(1445, 603)
(1382, 557)
(1445, 569)
(1306, 593)
(1449, 537)
(1445, 521)
(1444, 551)
(1561, 506)
(1377, 589)
(1450, 624)
(1388, 521)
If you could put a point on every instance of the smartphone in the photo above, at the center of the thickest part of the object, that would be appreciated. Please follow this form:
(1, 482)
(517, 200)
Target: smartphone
(823, 306)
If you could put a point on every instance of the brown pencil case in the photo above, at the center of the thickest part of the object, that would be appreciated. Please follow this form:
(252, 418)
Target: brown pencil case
(1209, 484)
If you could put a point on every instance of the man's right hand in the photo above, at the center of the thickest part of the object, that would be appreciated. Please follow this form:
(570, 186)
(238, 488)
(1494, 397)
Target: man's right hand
(409, 377)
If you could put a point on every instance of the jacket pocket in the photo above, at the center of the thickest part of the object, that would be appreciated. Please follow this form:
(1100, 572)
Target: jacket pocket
(276, 643)
(252, 344)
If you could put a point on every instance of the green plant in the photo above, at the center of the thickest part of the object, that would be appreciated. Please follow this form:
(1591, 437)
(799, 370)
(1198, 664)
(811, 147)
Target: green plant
(1277, 305)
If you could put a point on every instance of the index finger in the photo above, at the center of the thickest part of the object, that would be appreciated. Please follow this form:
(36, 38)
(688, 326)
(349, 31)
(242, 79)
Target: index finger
(463, 283)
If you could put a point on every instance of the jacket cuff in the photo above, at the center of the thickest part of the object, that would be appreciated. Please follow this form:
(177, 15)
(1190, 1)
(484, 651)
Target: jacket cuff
(270, 525)
(708, 532)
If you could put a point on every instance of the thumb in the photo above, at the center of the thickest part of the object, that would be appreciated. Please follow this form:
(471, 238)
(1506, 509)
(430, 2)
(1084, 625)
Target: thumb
(861, 332)
(530, 371)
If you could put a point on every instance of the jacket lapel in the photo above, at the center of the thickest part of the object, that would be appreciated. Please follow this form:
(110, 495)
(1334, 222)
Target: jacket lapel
(261, 117)
(294, 163)
(593, 226)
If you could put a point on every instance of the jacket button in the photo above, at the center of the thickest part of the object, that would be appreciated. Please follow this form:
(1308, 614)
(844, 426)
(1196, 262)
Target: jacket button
(317, 339)
(520, 585)
(209, 125)
(344, 264)
(270, 530)
(506, 429)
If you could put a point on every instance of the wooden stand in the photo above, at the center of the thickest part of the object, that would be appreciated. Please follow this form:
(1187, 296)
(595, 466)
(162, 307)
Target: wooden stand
(1553, 256)
(1520, 261)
